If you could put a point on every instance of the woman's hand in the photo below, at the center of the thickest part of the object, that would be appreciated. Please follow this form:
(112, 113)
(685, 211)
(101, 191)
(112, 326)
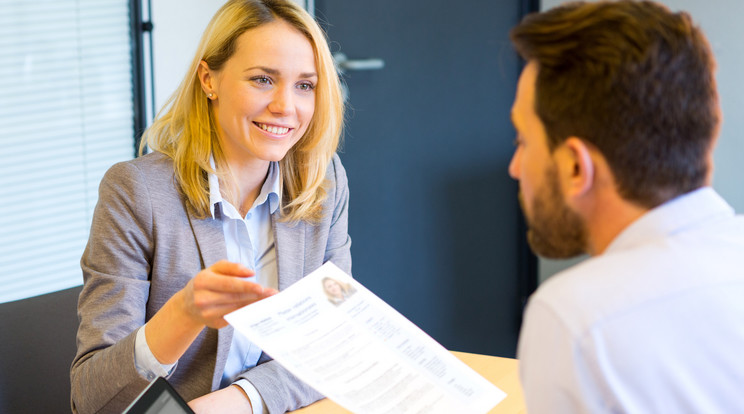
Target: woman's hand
(205, 300)
(219, 290)
(227, 400)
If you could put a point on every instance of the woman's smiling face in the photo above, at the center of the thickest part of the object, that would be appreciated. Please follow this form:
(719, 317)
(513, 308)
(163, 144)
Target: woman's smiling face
(264, 95)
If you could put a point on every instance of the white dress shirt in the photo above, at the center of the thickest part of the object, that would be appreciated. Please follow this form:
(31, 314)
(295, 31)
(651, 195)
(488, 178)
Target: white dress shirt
(249, 240)
(655, 324)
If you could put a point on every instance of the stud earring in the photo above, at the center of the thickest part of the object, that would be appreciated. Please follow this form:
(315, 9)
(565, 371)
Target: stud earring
(210, 95)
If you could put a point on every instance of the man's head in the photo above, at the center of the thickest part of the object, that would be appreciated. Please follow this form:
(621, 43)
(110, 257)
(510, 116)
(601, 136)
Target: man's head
(555, 230)
(630, 80)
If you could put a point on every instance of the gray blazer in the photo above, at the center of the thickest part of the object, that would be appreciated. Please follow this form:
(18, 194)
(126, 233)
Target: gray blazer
(145, 245)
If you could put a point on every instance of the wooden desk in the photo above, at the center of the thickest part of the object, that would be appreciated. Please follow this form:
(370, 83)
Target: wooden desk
(502, 372)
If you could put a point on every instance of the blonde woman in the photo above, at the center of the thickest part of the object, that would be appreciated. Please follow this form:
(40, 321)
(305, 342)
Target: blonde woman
(242, 196)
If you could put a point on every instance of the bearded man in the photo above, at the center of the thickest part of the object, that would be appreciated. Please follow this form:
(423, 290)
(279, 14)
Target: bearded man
(617, 115)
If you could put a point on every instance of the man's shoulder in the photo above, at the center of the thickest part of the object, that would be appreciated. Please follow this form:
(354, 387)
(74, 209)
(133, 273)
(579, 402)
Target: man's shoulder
(618, 283)
(592, 275)
(579, 294)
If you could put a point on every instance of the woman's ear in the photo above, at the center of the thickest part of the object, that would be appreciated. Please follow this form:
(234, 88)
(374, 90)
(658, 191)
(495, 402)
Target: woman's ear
(579, 167)
(207, 80)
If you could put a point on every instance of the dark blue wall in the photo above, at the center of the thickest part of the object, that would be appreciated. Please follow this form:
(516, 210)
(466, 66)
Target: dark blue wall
(434, 217)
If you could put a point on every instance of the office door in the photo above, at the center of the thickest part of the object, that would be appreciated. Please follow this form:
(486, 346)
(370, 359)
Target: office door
(434, 218)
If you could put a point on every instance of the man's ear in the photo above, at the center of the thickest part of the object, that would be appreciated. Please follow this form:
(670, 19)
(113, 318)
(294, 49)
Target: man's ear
(206, 78)
(578, 167)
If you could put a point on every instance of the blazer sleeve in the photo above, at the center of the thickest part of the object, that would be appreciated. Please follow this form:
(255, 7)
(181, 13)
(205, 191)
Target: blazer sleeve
(279, 389)
(112, 303)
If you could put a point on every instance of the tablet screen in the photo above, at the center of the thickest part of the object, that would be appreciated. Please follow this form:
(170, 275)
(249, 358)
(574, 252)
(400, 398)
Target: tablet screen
(159, 398)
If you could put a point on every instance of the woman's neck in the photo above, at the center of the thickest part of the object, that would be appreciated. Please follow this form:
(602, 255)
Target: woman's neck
(247, 179)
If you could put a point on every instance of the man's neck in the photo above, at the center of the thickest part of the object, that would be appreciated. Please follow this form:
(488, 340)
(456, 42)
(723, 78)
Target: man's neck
(607, 218)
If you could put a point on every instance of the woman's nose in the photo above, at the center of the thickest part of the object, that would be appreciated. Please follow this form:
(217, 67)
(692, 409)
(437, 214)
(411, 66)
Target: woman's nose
(281, 102)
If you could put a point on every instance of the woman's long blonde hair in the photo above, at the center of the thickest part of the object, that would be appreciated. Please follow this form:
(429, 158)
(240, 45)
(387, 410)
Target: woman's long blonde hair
(186, 131)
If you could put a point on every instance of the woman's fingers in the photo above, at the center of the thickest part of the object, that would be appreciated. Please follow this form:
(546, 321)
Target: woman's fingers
(221, 289)
(212, 298)
(231, 268)
(220, 283)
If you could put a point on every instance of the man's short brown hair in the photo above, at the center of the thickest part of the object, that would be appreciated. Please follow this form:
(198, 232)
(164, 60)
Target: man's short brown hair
(633, 79)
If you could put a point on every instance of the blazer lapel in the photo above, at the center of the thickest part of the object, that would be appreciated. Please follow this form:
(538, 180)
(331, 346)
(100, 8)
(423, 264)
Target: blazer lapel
(209, 237)
(210, 241)
(290, 250)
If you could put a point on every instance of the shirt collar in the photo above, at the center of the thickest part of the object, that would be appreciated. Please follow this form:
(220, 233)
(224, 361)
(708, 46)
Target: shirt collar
(686, 210)
(271, 189)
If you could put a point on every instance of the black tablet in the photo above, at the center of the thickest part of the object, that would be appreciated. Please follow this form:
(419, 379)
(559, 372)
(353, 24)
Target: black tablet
(159, 398)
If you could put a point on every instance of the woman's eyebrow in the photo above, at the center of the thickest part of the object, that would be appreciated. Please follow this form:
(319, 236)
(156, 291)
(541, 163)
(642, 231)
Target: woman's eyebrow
(275, 72)
(270, 71)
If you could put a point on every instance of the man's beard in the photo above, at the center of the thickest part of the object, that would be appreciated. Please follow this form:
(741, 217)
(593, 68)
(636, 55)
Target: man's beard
(554, 230)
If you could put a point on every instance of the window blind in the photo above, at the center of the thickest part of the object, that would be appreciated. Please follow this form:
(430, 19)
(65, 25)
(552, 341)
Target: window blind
(66, 115)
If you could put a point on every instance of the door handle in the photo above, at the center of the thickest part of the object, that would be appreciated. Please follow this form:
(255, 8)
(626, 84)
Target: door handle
(344, 64)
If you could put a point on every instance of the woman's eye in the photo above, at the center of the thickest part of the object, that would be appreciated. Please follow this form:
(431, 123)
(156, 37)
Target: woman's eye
(263, 80)
(305, 86)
